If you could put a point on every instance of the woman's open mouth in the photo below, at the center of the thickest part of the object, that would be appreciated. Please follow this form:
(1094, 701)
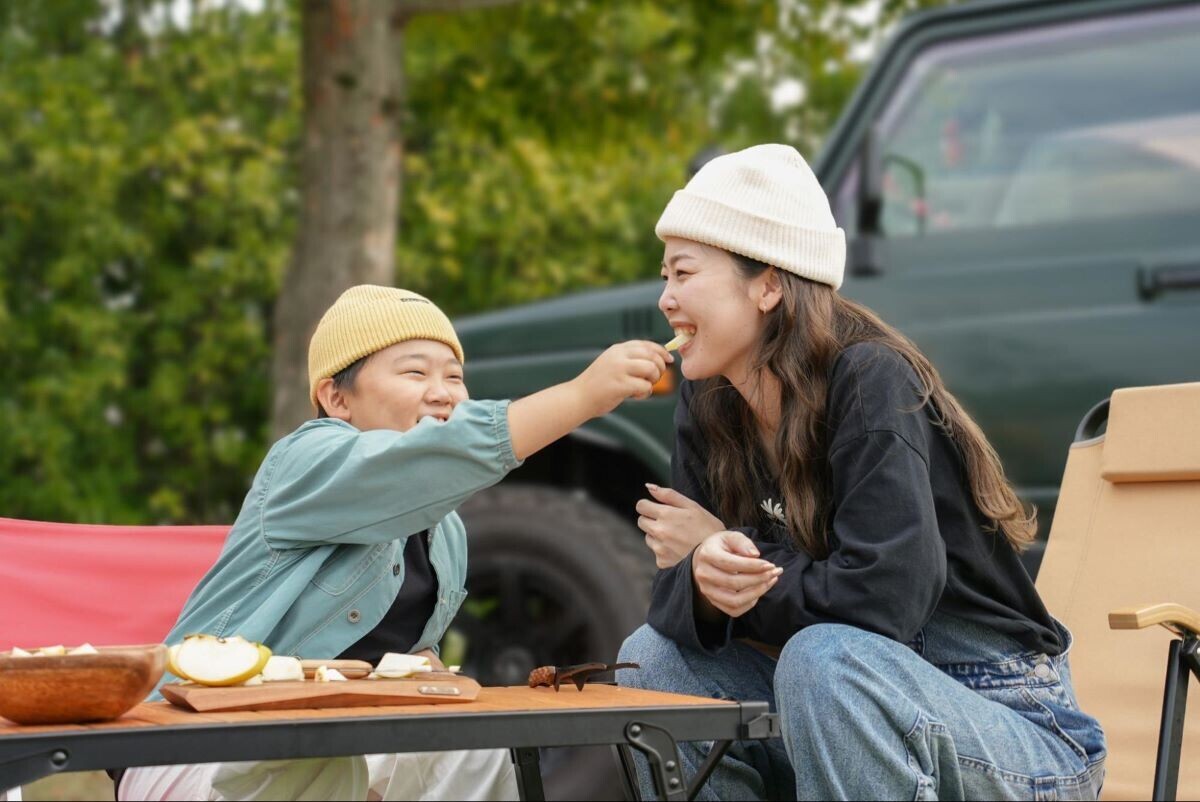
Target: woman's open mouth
(683, 338)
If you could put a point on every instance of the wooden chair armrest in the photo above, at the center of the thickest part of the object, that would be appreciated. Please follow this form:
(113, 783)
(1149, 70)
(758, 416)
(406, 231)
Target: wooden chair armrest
(1175, 617)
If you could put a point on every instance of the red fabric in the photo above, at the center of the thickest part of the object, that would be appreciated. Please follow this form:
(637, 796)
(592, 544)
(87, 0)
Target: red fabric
(103, 585)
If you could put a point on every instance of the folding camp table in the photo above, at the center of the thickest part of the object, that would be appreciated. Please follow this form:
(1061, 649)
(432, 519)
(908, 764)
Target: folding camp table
(520, 719)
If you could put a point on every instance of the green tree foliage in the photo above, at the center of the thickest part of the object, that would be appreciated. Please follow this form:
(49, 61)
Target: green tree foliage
(148, 191)
(145, 191)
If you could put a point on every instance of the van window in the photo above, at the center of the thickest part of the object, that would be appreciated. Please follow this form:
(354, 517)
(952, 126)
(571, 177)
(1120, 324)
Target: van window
(1075, 122)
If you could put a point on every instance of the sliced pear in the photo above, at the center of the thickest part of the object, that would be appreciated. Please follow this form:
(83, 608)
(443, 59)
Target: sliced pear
(327, 674)
(52, 651)
(209, 660)
(396, 666)
(172, 666)
(17, 651)
(283, 669)
(85, 648)
(682, 338)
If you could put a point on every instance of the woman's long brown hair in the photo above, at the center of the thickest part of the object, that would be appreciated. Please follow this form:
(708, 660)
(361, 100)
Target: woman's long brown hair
(804, 334)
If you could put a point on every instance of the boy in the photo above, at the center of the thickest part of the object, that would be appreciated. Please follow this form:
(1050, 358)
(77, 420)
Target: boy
(348, 546)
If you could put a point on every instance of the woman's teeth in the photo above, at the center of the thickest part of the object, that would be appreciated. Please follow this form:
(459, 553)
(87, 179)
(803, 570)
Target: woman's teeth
(682, 338)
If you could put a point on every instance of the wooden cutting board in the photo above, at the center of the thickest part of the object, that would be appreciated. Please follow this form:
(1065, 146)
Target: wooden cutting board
(430, 688)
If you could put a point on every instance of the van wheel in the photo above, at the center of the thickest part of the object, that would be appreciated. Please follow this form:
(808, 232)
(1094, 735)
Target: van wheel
(554, 579)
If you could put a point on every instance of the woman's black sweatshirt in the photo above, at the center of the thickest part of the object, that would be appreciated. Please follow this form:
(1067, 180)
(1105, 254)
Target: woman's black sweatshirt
(906, 538)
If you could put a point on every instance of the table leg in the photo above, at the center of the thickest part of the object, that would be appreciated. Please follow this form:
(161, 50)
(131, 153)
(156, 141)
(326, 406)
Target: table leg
(628, 771)
(719, 748)
(529, 773)
(662, 754)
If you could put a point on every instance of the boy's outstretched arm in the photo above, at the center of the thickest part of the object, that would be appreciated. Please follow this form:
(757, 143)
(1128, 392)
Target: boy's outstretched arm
(626, 370)
(335, 485)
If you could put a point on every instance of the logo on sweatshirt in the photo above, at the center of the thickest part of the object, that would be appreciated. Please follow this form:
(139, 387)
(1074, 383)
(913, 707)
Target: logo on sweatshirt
(774, 509)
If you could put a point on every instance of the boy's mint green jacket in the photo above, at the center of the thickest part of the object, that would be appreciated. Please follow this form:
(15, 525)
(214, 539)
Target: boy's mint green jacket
(316, 556)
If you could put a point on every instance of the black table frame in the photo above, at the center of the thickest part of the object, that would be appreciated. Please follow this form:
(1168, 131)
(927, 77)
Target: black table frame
(652, 731)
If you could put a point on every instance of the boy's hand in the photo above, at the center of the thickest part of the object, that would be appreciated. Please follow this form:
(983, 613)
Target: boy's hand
(674, 524)
(625, 370)
(729, 574)
(433, 659)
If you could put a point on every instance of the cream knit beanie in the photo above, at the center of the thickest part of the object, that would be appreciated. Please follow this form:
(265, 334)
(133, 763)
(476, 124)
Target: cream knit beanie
(763, 202)
(369, 318)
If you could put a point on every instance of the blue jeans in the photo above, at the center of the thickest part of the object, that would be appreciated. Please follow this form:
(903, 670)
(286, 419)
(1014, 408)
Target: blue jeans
(961, 712)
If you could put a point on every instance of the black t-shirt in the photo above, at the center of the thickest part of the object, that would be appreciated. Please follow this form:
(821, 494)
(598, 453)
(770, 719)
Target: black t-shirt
(405, 620)
(905, 534)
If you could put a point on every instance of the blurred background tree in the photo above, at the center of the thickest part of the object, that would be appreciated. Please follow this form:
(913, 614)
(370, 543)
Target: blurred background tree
(150, 195)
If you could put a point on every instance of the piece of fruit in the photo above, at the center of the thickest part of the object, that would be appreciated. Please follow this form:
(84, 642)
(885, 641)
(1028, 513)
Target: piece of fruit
(283, 669)
(85, 648)
(395, 665)
(682, 338)
(209, 660)
(327, 674)
(52, 651)
(17, 651)
(174, 669)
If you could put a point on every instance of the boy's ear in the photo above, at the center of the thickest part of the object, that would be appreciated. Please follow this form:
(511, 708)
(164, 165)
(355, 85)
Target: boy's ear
(332, 400)
(771, 292)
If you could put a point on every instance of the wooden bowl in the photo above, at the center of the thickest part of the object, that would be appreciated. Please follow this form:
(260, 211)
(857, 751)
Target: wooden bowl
(74, 689)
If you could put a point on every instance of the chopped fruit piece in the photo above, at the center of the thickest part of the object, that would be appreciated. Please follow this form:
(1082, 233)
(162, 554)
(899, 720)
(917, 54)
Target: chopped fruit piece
(283, 669)
(682, 338)
(86, 648)
(395, 665)
(17, 651)
(327, 674)
(52, 651)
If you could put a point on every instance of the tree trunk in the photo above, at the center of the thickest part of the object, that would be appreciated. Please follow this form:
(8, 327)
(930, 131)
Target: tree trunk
(352, 68)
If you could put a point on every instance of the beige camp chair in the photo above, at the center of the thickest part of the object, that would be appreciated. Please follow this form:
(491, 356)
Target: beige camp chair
(1124, 552)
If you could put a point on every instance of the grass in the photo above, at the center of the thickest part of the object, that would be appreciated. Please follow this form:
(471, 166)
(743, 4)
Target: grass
(74, 786)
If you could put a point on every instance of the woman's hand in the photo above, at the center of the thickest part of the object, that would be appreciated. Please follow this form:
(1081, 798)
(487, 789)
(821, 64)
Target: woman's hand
(729, 574)
(625, 370)
(674, 524)
(433, 659)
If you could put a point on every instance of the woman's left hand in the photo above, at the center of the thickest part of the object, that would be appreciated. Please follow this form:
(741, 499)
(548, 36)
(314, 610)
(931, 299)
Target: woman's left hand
(674, 524)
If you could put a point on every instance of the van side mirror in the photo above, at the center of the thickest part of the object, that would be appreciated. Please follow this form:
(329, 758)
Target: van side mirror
(864, 256)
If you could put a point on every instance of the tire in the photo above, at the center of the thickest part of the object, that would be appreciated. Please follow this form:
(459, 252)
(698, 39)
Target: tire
(554, 579)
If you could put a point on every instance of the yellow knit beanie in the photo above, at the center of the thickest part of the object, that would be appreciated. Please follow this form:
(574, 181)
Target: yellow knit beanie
(369, 318)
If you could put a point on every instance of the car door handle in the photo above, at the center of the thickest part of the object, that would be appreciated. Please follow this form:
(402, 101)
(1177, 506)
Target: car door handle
(1154, 281)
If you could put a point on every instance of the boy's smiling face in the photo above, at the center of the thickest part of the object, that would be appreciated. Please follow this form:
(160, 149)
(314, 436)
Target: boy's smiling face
(398, 386)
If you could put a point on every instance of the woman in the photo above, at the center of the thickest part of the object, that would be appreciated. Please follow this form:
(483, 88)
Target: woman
(841, 539)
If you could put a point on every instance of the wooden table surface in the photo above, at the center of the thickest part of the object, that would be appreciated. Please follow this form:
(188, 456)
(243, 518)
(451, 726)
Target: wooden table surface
(491, 700)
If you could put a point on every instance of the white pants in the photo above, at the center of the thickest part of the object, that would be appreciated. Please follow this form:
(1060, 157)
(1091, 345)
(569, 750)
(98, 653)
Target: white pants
(468, 775)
